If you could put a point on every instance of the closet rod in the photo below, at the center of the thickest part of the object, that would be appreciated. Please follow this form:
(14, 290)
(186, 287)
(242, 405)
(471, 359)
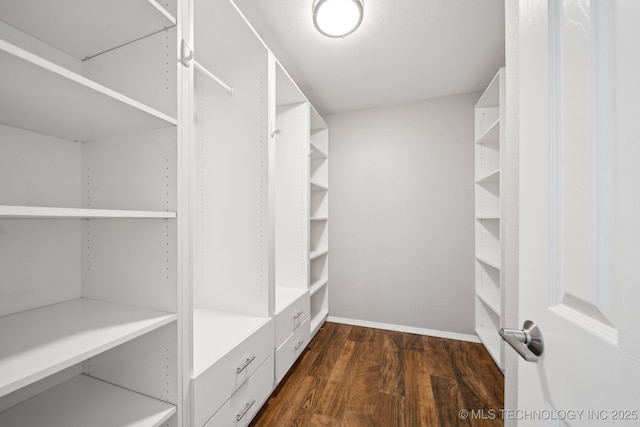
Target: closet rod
(212, 76)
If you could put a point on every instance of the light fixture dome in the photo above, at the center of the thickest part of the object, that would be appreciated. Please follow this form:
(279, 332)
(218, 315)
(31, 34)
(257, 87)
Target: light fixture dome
(337, 18)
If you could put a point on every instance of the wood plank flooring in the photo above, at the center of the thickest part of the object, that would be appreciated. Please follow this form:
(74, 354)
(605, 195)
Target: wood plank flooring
(354, 376)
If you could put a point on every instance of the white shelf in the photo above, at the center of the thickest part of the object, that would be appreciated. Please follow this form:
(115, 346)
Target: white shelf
(319, 218)
(493, 176)
(490, 260)
(317, 253)
(317, 319)
(215, 333)
(317, 153)
(491, 300)
(318, 187)
(90, 26)
(35, 212)
(40, 342)
(86, 401)
(285, 296)
(487, 218)
(491, 135)
(317, 284)
(64, 104)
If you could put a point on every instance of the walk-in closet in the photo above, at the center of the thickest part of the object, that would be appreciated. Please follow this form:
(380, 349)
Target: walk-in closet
(223, 213)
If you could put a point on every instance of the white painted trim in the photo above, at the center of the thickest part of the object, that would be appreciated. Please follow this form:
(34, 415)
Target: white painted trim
(407, 329)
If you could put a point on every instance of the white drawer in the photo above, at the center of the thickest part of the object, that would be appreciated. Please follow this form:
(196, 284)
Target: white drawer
(240, 409)
(293, 347)
(215, 385)
(291, 317)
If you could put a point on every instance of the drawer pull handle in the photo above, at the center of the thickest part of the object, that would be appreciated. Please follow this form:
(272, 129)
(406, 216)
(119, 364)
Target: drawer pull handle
(246, 409)
(299, 344)
(245, 364)
(298, 314)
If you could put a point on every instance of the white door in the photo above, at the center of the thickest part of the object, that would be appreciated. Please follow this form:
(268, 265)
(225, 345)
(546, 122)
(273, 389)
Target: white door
(580, 211)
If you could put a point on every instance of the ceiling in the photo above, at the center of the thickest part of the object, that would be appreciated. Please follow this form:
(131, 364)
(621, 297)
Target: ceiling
(404, 51)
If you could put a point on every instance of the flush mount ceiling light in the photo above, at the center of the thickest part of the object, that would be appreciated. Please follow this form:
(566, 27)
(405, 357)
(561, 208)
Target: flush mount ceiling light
(337, 18)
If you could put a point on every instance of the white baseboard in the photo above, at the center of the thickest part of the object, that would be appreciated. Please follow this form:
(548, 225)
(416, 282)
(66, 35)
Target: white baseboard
(407, 329)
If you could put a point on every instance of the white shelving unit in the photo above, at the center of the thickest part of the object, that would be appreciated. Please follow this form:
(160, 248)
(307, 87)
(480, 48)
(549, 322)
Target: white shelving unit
(289, 170)
(89, 211)
(489, 132)
(234, 248)
(319, 222)
(163, 254)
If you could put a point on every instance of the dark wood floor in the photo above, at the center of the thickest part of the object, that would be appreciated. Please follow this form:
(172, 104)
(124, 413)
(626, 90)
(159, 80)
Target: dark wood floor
(353, 376)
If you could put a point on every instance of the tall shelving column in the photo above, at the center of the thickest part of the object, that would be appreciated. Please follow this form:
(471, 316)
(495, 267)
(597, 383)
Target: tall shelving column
(489, 161)
(319, 222)
(233, 331)
(89, 305)
(289, 168)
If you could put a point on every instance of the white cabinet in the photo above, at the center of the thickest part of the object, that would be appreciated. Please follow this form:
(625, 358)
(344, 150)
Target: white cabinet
(489, 162)
(226, 357)
(89, 213)
(245, 403)
(292, 308)
(289, 351)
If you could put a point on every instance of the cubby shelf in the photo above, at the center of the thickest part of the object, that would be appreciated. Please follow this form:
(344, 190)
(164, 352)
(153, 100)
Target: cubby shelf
(84, 110)
(37, 212)
(37, 343)
(317, 253)
(86, 401)
(317, 153)
(318, 187)
(491, 135)
(317, 284)
(491, 260)
(493, 176)
(491, 300)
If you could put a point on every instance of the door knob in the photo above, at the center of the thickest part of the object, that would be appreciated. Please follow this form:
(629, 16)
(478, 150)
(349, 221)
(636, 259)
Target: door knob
(526, 341)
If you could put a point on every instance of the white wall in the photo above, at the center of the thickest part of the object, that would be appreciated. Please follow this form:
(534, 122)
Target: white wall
(401, 215)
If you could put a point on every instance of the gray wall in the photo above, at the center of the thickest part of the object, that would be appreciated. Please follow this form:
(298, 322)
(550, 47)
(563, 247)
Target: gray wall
(401, 215)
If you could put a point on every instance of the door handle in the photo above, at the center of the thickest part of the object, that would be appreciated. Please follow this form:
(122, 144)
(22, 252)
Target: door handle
(526, 341)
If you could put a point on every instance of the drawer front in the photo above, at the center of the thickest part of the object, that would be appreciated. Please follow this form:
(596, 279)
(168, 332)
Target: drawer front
(215, 385)
(240, 409)
(293, 347)
(291, 317)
